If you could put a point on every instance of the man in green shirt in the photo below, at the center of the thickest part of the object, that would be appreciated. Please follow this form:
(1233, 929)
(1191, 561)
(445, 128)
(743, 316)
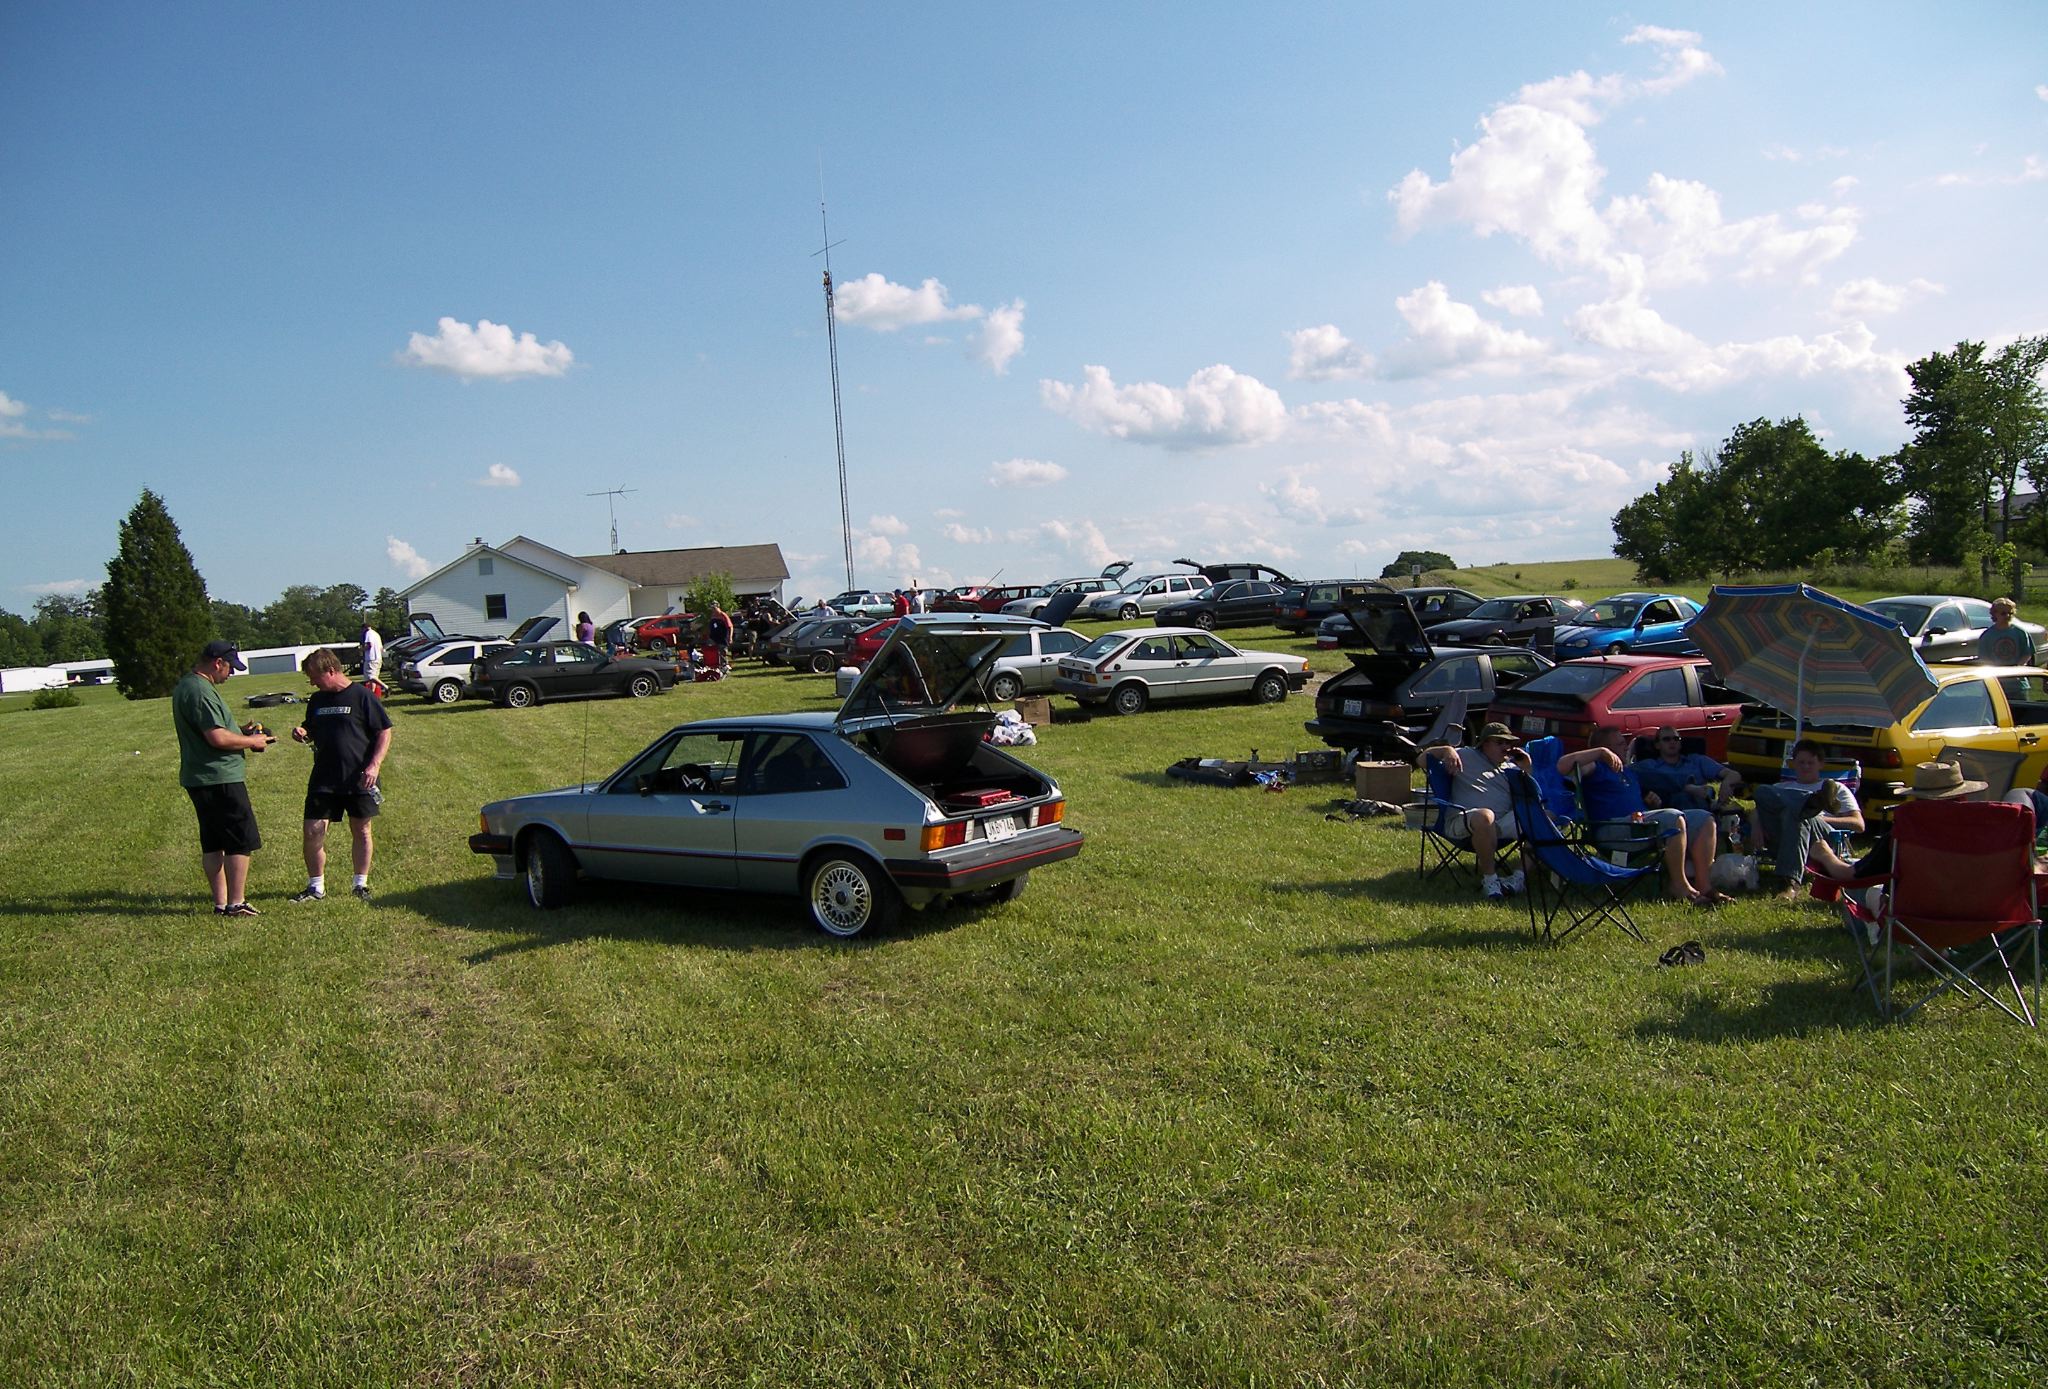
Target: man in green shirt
(213, 769)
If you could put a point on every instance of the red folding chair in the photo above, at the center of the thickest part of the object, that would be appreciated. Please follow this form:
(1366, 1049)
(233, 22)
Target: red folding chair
(1960, 899)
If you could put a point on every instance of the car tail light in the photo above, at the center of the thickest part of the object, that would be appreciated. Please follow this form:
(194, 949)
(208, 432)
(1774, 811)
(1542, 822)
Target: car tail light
(945, 836)
(1885, 757)
(483, 825)
(1053, 813)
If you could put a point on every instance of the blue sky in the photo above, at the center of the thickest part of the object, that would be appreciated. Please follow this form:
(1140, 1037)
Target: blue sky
(1306, 284)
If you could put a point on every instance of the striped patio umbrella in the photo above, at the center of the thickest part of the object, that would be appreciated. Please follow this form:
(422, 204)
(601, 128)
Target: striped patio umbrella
(1822, 657)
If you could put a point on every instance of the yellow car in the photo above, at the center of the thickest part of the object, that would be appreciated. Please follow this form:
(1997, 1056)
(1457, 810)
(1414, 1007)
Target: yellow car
(1990, 708)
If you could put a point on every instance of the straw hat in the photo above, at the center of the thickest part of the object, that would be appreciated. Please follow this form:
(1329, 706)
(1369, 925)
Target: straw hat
(1940, 781)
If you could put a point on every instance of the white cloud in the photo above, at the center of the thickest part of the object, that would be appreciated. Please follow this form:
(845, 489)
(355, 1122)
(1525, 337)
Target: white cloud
(888, 525)
(1842, 185)
(406, 559)
(1447, 336)
(901, 562)
(68, 416)
(2041, 91)
(1218, 407)
(967, 535)
(2032, 170)
(1001, 337)
(679, 521)
(1628, 325)
(1324, 354)
(70, 588)
(1522, 301)
(1025, 472)
(14, 423)
(499, 475)
(1532, 174)
(1869, 298)
(1850, 352)
(1676, 232)
(880, 304)
(10, 408)
(487, 351)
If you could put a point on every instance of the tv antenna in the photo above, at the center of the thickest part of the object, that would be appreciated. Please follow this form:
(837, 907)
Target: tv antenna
(832, 347)
(612, 505)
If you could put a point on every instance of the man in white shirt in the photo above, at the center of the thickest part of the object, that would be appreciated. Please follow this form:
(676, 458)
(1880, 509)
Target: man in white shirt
(373, 650)
(1479, 784)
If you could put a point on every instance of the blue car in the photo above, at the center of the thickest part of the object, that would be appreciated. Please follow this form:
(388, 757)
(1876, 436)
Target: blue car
(1652, 624)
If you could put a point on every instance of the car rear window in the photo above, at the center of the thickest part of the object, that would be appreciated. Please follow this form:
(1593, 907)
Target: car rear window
(1654, 689)
(1100, 648)
(1572, 678)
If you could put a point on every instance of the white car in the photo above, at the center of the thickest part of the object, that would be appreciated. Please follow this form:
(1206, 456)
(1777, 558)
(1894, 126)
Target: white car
(1142, 597)
(1029, 661)
(1129, 669)
(440, 672)
(860, 602)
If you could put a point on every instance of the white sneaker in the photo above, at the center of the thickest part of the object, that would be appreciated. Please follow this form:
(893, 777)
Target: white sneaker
(1514, 882)
(1489, 888)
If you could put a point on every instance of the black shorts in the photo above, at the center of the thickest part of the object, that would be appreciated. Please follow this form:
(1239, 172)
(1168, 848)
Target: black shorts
(332, 805)
(227, 824)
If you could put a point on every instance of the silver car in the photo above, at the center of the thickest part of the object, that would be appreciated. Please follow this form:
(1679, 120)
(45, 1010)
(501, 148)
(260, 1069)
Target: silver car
(1033, 605)
(1141, 597)
(1029, 661)
(1129, 669)
(894, 801)
(1944, 626)
(441, 672)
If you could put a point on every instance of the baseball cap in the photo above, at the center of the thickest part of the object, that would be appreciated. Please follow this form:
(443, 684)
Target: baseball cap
(223, 650)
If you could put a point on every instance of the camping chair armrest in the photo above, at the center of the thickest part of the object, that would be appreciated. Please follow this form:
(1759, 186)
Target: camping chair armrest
(1826, 889)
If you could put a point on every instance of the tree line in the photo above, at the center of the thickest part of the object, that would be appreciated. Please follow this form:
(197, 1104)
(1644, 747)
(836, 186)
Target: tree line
(1773, 497)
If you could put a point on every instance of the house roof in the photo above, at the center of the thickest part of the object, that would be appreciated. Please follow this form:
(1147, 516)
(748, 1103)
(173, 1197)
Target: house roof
(471, 553)
(670, 567)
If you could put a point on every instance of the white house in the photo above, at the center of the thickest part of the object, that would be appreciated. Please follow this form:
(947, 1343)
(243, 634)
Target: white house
(493, 588)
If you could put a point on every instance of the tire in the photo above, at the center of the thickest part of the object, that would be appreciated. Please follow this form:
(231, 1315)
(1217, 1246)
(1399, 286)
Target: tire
(1206, 621)
(550, 871)
(1004, 688)
(1617, 648)
(1128, 612)
(658, 647)
(1009, 891)
(824, 663)
(1269, 688)
(642, 685)
(1130, 698)
(447, 692)
(521, 696)
(846, 895)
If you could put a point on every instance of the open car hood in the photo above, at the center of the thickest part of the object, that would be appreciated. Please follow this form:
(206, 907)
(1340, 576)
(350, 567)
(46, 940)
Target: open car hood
(1392, 632)
(533, 629)
(931, 663)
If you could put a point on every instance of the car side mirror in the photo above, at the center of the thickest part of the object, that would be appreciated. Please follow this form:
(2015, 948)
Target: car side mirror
(645, 781)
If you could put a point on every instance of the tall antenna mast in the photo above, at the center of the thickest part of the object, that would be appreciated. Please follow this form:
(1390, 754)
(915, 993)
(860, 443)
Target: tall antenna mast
(832, 346)
(612, 505)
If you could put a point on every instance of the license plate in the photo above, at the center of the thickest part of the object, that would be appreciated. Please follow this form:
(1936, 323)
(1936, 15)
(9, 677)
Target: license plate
(998, 827)
(1354, 708)
(1535, 725)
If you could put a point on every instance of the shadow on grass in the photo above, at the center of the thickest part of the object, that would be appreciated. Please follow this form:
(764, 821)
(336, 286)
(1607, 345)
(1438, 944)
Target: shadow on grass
(464, 706)
(1791, 1008)
(693, 917)
(108, 903)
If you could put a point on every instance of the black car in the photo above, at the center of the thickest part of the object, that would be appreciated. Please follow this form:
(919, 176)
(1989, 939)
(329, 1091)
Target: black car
(1432, 604)
(1517, 620)
(780, 647)
(1236, 603)
(1399, 683)
(526, 674)
(818, 647)
(1304, 605)
(1218, 573)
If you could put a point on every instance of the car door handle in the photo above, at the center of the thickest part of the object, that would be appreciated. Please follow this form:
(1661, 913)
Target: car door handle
(2030, 738)
(711, 807)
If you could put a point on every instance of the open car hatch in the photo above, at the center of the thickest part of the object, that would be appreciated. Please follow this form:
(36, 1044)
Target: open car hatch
(931, 663)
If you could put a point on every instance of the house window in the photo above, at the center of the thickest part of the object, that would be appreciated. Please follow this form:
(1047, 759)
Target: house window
(494, 606)
(483, 566)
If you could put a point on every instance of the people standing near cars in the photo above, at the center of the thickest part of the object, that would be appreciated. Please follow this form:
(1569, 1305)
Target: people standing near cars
(373, 649)
(586, 630)
(350, 734)
(2005, 642)
(213, 769)
(718, 634)
(900, 605)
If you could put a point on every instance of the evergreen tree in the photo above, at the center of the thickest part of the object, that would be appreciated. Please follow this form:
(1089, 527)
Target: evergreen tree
(155, 603)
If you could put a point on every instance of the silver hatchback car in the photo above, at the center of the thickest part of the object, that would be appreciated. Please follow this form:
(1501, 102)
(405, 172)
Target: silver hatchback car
(1142, 597)
(1129, 669)
(894, 801)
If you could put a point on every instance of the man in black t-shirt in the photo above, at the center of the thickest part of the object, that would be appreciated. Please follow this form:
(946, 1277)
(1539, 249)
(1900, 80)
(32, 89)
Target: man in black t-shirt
(350, 733)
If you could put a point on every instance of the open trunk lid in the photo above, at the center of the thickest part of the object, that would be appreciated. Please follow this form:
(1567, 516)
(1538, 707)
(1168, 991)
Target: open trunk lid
(1395, 646)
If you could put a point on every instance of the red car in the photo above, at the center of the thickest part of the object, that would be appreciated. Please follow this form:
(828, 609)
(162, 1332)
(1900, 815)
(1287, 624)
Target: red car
(985, 599)
(862, 645)
(1638, 693)
(665, 633)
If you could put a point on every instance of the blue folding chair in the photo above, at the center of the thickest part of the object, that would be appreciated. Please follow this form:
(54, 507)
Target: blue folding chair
(1440, 851)
(1566, 880)
(1558, 796)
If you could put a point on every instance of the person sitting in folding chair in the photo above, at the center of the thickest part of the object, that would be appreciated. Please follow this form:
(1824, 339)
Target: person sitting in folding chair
(1794, 815)
(1479, 784)
(1932, 781)
(1684, 779)
(1618, 817)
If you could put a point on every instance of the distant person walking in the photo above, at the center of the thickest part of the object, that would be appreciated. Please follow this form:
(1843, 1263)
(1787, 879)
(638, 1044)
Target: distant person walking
(586, 630)
(718, 634)
(213, 769)
(373, 651)
(350, 734)
(2005, 642)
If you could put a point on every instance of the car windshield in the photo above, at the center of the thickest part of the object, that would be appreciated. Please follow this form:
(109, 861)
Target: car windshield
(1209, 594)
(1138, 585)
(1101, 646)
(1609, 612)
(1910, 616)
(1572, 678)
(1493, 608)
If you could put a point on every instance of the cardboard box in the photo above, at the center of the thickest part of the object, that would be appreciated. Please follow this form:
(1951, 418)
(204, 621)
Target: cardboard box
(1035, 710)
(1392, 782)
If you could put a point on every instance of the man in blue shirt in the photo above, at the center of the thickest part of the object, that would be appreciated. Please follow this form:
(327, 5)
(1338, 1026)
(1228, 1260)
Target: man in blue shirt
(1618, 816)
(1687, 780)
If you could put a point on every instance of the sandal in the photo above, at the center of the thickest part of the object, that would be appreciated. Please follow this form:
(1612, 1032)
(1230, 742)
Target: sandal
(1690, 953)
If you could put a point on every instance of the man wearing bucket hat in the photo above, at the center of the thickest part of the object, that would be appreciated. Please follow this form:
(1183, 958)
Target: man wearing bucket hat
(1932, 781)
(1479, 783)
(213, 771)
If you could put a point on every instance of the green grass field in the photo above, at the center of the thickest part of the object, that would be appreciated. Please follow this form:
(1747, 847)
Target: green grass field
(1230, 1099)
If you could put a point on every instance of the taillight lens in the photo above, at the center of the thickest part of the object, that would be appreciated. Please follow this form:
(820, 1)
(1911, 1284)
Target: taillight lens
(944, 836)
(1052, 814)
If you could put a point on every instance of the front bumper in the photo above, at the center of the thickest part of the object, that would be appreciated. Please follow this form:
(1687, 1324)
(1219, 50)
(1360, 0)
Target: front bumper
(984, 865)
